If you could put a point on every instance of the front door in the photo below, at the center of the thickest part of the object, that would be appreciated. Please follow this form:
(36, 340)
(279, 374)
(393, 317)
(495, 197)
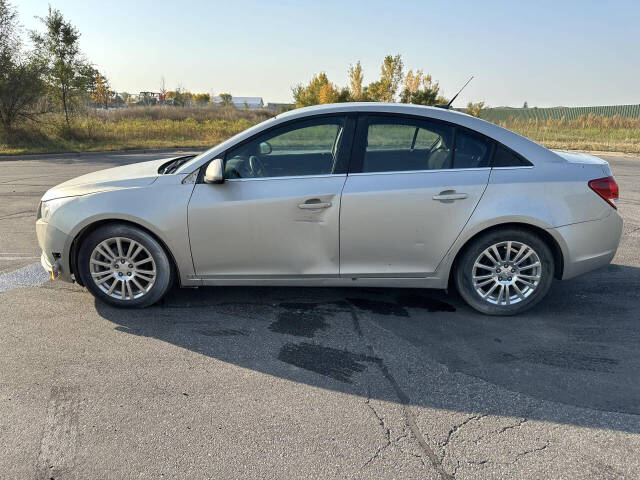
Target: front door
(277, 213)
(415, 185)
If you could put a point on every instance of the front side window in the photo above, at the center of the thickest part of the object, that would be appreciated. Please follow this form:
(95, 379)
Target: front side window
(308, 147)
(399, 144)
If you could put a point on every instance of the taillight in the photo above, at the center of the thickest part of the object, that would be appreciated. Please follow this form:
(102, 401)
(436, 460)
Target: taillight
(607, 188)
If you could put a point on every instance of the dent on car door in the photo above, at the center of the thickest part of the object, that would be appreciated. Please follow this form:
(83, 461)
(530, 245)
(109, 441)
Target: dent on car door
(415, 185)
(277, 213)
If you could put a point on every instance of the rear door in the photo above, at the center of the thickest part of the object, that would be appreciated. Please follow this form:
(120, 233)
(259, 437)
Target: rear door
(412, 187)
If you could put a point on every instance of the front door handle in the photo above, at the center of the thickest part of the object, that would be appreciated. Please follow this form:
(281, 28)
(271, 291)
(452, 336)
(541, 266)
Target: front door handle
(313, 204)
(450, 195)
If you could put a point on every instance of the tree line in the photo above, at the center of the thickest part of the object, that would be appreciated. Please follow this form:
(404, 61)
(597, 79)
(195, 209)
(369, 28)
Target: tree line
(393, 85)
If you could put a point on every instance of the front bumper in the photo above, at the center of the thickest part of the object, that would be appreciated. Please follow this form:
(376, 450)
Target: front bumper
(55, 252)
(590, 245)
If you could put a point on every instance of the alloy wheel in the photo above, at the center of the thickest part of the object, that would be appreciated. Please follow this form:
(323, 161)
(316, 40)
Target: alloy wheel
(122, 268)
(506, 273)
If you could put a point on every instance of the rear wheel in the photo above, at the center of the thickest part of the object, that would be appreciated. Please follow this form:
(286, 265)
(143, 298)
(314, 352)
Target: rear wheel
(124, 266)
(505, 272)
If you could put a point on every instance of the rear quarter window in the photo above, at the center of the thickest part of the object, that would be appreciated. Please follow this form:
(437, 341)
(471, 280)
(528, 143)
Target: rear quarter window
(503, 157)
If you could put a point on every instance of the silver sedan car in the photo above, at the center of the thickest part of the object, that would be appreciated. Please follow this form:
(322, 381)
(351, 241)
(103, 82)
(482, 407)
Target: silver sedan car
(358, 194)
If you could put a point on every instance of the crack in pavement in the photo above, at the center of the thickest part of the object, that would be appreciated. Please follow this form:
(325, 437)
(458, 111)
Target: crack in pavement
(409, 416)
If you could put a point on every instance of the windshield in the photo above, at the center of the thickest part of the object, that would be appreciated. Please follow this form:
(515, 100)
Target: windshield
(227, 142)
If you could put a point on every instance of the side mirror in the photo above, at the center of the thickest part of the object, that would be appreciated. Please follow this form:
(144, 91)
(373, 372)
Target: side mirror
(265, 148)
(214, 172)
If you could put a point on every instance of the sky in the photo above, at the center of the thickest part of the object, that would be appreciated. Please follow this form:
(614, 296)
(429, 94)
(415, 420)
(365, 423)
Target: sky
(547, 53)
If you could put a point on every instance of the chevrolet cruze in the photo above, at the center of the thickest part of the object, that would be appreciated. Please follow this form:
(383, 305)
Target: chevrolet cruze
(375, 195)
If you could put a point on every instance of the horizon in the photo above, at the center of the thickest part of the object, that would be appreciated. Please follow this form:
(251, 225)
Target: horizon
(563, 59)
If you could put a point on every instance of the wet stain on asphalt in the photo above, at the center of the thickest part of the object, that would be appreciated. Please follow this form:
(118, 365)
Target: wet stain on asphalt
(224, 332)
(378, 306)
(561, 359)
(331, 362)
(299, 322)
(429, 304)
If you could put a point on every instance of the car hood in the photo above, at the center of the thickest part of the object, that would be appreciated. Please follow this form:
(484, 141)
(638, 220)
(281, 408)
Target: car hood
(127, 176)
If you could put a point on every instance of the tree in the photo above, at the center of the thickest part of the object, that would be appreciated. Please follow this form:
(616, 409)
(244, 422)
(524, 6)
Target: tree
(355, 82)
(319, 90)
(526, 105)
(226, 99)
(59, 49)
(101, 92)
(420, 89)
(385, 89)
(475, 109)
(201, 98)
(21, 82)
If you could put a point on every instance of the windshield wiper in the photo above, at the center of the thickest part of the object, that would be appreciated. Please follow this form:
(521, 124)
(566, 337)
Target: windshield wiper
(174, 164)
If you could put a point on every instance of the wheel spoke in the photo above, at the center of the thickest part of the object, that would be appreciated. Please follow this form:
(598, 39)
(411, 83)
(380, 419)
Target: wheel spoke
(106, 247)
(508, 254)
(527, 283)
(507, 295)
(132, 244)
(102, 252)
(518, 291)
(482, 284)
(494, 248)
(100, 274)
(530, 277)
(129, 290)
(112, 287)
(536, 264)
(144, 277)
(100, 281)
(119, 246)
(102, 264)
(488, 254)
(528, 254)
(520, 252)
(490, 291)
(482, 277)
(137, 284)
(146, 272)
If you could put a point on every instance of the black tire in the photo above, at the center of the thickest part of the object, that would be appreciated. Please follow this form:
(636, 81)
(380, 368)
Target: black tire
(163, 269)
(464, 269)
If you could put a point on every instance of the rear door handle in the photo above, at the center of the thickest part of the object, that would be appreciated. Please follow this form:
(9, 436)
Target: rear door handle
(313, 204)
(449, 195)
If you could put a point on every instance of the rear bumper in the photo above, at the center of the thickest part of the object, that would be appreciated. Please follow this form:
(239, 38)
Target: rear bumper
(589, 245)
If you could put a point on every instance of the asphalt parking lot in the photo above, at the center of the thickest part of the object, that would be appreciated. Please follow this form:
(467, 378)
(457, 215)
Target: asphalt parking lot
(311, 383)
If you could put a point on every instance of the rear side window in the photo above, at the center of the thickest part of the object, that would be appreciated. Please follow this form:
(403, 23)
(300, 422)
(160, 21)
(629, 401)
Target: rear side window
(406, 144)
(503, 157)
(472, 151)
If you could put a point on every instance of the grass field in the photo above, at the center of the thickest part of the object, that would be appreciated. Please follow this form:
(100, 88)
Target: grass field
(610, 134)
(130, 128)
(169, 127)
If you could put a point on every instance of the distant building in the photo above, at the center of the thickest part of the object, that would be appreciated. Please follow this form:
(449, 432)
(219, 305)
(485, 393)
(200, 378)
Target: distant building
(252, 103)
(279, 107)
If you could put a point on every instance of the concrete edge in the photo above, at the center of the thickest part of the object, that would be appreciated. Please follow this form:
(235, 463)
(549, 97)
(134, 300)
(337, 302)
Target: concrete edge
(39, 156)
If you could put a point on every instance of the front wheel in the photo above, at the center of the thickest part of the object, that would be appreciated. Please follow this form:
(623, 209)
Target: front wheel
(124, 266)
(505, 272)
